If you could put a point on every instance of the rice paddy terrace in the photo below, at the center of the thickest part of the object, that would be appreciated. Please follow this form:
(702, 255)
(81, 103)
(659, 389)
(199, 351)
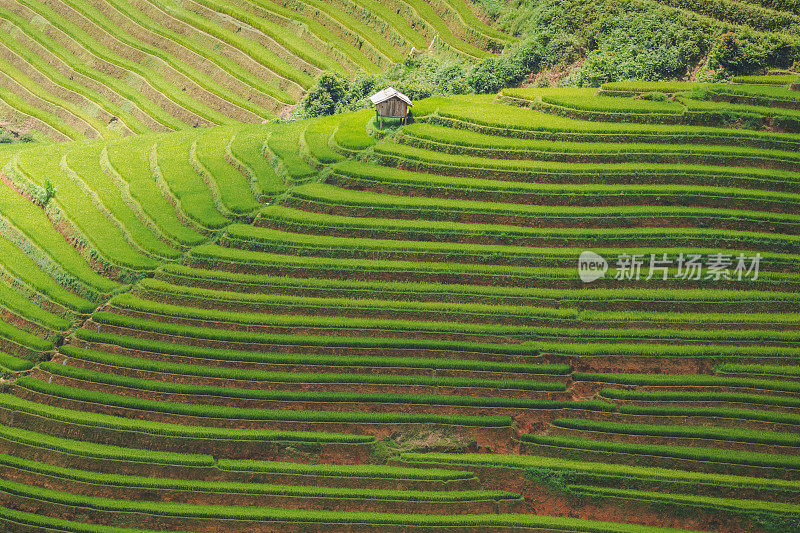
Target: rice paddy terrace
(316, 326)
(110, 68)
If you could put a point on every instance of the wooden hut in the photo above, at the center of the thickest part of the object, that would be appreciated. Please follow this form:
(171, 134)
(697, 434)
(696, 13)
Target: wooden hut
(390, 103)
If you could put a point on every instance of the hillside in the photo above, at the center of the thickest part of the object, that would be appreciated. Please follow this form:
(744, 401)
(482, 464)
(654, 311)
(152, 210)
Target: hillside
(316, 326)
(103, 69)
(74, 69)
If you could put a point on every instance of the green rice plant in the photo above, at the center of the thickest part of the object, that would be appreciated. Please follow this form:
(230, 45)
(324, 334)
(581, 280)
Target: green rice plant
(166, 291)
(439, 208)
(85, 162)
(714, 455)
(358, 470)
(263, 55)
(766, 370)
(318, 137)
(223, 412)
(276, 358)
(154, 78)
(683, 500)
(311, 396)
(103, 317)
(750, 116)
(23, 268)
(33, 223)
(588, 100)
(300, 491)
(556, 171)
(285, 144)
(635, 86)
(764, 95)
(248, 147)
(450, 139)
(406, 290)
(315, 251)
(711, 412)
(597, 469)
(702, 396)
(268, 514)
(426, 12)
(231, 67)
(23, 338)
(351, 134)
(30, 56)
(102, 451)
(149, 307)
(203, 80)
(471, 112)
(364, 32)
(472, 21)
(20, 518)
(9, 363)
(41, 164)
(775, 79)
(288, 377)
(22, 306)
(85, 418)
(172, 165)
(93, 126)
(232, 186)
(299, 45)
(772, 438)
(130, 160)
(467, 186)
(401, 24)
(688, 380)
(15, 102)
(129, 93)
(595, 349)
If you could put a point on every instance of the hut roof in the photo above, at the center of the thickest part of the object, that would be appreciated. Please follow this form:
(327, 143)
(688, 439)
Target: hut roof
(387, 94)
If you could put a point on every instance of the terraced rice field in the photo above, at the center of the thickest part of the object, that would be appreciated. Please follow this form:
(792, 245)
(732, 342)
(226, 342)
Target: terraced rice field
(111, 68)
(298, 327)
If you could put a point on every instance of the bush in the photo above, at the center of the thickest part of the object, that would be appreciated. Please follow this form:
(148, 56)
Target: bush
(325, 96)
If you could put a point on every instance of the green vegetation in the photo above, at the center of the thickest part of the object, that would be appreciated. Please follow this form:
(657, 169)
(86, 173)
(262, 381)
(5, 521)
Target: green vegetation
(674, 452)
(69, 416)
(690, 396)
(689, 380)
(692, 432)
(592, 468)
(277, 358)
(220, 412)
(416, 285)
